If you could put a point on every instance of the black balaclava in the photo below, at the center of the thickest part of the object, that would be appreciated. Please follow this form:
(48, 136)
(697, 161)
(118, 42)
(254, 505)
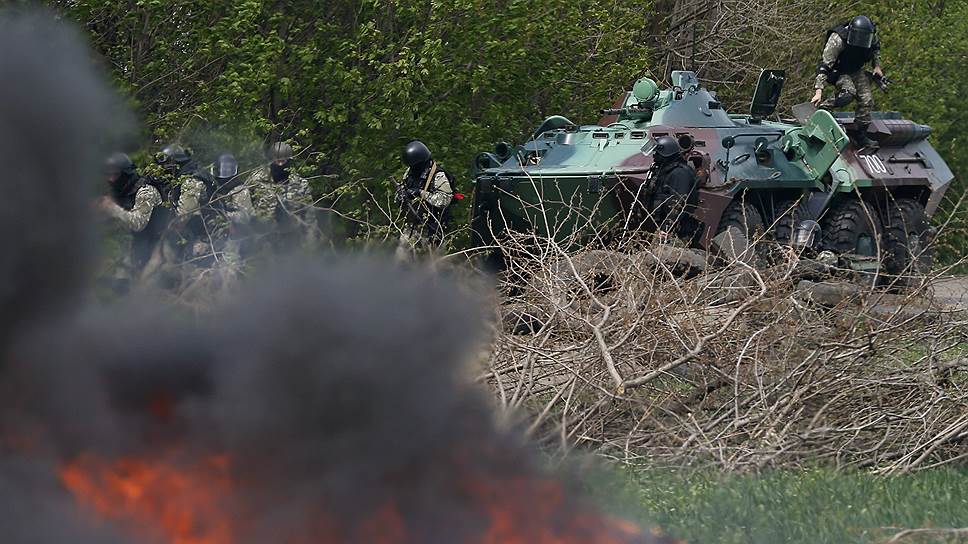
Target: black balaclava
(279, 172)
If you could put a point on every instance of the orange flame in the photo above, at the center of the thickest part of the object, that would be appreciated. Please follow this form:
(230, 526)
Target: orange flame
(536, 511)
(182, 505)
(182, 502)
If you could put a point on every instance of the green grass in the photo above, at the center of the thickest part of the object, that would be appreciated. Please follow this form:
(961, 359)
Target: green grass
(789, 506)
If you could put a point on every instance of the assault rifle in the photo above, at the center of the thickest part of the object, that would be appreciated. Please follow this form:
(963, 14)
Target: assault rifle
(408, 200)
(881, 81)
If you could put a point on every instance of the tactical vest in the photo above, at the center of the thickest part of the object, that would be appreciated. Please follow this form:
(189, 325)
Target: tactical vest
(214, 204)
(687, 225)
(419, 181)
(124, 196)
(217, 195)
(143, 242)
(851, 59)
(170, 192)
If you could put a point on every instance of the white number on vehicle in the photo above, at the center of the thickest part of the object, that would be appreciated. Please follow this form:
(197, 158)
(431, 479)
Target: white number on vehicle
(874, 164)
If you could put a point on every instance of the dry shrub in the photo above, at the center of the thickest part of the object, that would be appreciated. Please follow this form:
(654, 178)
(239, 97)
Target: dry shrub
(643, 353)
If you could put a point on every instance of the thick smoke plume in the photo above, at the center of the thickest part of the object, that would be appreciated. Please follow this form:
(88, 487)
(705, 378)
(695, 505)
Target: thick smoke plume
(327, 402)
(53, 110)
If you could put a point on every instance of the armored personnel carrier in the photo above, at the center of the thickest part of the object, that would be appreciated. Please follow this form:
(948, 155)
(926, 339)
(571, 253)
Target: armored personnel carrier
(770, 179)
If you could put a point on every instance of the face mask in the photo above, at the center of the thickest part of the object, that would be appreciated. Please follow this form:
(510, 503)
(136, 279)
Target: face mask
(279, 172)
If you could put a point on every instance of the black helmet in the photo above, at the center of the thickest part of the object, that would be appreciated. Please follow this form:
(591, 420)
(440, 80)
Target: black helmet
(117, 164)
(666, 149)
(172, 153)
(225, 167)
(415, 154)
(860, 32)
(279, 151)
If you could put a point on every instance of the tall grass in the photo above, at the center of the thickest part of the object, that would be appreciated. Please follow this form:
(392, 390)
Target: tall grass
(787, 506)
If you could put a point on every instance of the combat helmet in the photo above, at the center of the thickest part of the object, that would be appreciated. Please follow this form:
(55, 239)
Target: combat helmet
(279, 151)
(860, 32)
(666, 149)
(415, 154)
(225, 167)
(117, 164)
(173, 153)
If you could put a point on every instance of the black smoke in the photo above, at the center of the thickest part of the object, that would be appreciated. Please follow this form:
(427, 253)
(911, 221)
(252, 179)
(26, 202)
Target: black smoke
(55, 110)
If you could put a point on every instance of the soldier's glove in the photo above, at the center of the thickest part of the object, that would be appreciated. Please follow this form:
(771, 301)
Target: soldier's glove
(408, 195)
(400, 197)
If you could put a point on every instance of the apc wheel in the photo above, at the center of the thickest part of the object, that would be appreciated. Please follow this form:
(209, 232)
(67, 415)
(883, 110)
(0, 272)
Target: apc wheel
(743, 216)
(908, 238)
(787, 215)
(852, 227)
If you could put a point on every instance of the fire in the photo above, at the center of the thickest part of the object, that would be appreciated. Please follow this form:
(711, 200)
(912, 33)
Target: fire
(536, 511)
(185, 502)
(180, 503)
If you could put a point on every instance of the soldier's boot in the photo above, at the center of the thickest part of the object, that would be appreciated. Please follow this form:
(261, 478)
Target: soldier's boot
(839, 100)
(863, 140)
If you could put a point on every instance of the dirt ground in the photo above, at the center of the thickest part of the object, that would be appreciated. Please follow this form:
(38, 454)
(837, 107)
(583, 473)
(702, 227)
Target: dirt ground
(952, 291)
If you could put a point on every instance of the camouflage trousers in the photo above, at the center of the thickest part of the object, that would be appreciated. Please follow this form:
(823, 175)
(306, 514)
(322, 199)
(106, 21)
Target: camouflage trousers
(853, 87)
(425, 236)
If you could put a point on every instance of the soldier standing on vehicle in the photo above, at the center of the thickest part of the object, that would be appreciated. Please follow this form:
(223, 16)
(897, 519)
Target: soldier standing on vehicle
(849, 47)
(674, 190)
(282, 200)
(425, 195)
(134, 203)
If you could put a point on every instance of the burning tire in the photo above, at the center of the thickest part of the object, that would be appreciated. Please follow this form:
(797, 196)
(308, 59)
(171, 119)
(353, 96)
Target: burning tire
(908, 238)
(852, 228)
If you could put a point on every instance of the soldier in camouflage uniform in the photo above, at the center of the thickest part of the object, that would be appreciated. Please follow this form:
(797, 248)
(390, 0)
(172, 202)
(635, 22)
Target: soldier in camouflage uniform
(425, 196)
(135, 204)
(172, 169)
(215, 209)
(282, 201)
(849, 47)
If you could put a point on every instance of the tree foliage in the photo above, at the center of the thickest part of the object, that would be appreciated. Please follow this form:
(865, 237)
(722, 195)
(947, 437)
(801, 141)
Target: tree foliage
(351, 81)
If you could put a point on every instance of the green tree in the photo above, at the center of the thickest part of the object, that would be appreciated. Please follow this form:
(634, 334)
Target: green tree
(353, 82)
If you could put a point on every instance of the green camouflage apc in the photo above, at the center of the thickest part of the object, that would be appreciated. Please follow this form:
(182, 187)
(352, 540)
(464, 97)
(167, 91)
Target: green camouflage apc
(779, 179)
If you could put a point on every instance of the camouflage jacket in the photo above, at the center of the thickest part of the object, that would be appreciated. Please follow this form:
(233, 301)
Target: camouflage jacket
(439, 193)
(270, 199)
(237, 203)
(831, 52)
(135, 219)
